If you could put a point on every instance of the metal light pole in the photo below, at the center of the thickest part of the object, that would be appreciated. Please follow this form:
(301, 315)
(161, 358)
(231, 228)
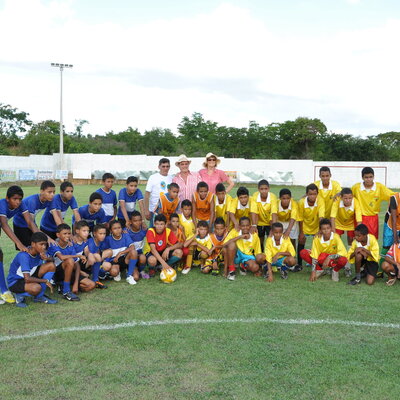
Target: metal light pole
(61, 66)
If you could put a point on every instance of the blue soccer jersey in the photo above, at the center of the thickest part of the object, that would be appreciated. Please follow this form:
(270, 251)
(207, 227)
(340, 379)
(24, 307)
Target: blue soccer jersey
(98, 217)
(34, 206)
(138, 238)
(5, 211)
(23, 263)
(117, 245)
(59, 204)
(109, 201)
(95, 247)
(68, 250)
(80, 247)
(130, 201)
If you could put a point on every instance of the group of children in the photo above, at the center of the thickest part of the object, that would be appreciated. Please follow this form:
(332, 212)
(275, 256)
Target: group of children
(255, 234)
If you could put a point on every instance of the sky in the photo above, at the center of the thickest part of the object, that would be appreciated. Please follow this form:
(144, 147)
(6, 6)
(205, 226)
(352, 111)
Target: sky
(149, 64)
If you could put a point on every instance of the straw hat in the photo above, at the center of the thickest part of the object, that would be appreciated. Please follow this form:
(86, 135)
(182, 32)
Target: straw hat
(181, 158)
(208, 156)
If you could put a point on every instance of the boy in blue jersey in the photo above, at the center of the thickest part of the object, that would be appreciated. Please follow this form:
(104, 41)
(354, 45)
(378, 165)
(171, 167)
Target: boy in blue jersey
(109, 197)
(67, 267)
(92, 213)
(127, 198)
(138, 236)
(9, 207)
(93, 249)
(31, 272)
(34, 204)
(119, 254)
(55, 212)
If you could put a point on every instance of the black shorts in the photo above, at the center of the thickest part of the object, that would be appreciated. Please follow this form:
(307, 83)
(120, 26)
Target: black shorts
(23, 234)
(370, 267)
(50, 234)
(263, 230)
(84, 267)
(121, 262)
(19, 287)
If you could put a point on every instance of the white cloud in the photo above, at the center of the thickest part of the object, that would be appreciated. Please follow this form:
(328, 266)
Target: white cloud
(226, 64)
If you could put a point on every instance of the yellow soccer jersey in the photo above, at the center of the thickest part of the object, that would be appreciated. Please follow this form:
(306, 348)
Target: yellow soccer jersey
(333, 245)
(285, 215)
(250, 246)
(310, 215)
(271, 248)
(221, 210)
(187, 225)
(240, 211)
(327, 194)
(372, 245)
(265, 209)
(370, 199)
(345, 217)
(206, 242)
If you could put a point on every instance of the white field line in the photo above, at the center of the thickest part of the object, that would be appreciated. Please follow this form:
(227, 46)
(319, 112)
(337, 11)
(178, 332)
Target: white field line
(133, 324)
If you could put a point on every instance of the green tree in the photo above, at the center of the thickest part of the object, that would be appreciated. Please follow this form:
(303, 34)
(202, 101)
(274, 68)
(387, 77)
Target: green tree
(43, 138)
(12, 123)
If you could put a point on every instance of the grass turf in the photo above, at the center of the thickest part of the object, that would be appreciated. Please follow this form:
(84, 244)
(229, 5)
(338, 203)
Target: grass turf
(205, 361)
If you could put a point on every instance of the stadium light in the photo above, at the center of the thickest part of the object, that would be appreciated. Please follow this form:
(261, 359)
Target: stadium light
(61, 66)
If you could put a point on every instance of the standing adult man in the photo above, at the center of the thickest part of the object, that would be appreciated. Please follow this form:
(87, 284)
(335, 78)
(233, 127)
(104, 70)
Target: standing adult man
(156, 184)
(186, 180)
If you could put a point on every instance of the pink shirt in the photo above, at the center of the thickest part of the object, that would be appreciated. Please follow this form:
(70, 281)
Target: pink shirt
(186, 189)
(218, 176)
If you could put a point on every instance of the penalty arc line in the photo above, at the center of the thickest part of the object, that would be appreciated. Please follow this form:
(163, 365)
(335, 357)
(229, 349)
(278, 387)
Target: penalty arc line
(133, 324)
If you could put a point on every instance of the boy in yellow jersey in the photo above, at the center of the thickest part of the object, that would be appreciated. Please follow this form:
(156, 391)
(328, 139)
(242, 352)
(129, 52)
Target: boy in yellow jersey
(202, 248)
(279, 252)
(218, 238)
(243, 206)
(242, 247)
(189, 229)
(370, 194)
(288, 214)
(364, 253)
(327, 251)
(391, 226)
(311, 211)
(203, 204)
(327, 189)
(391, 265)
(266, 210)
(222, 202)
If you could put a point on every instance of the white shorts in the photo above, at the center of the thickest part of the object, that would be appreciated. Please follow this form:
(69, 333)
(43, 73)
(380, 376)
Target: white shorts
(294, 233)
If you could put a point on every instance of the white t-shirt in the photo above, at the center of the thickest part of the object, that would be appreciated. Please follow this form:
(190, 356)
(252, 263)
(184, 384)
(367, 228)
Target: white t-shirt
(156, 184)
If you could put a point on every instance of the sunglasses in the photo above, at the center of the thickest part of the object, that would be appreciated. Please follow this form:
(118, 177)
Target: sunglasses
(211, 159)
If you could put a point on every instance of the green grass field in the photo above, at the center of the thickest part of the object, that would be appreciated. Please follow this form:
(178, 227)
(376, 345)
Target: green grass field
(247, 359)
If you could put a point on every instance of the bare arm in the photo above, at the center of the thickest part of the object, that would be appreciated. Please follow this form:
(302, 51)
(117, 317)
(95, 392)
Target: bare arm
(6, 228)
(231, 184)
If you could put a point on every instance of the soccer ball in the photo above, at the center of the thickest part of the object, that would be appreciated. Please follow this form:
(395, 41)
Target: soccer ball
(168, 275)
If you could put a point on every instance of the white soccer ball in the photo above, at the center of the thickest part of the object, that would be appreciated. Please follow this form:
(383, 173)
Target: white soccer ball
(168, 275)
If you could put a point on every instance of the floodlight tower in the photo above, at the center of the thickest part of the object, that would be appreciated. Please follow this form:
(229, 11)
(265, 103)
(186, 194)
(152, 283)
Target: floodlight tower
(61, 66)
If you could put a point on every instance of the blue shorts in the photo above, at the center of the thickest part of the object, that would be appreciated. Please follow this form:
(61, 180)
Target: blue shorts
(388, 235)
(278, 262)
(242, 258)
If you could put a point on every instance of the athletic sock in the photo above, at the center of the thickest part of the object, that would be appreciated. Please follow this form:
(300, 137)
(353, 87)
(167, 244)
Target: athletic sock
(231, 268)
(300, 247)
(3, 286)
(131, 267)
(66, 287)
(358, 275)
(96, 271)
(48, 276)
(173, 260)
(25, 294)
(189, 260)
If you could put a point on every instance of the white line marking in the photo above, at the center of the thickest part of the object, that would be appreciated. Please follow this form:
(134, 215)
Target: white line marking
(133, 324)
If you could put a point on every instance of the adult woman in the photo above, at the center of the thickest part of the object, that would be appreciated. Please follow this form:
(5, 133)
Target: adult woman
(186, 180)
(212, 176)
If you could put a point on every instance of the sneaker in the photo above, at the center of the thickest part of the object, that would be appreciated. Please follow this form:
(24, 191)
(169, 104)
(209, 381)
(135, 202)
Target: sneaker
(2, 302)
(20, 301)
(215, 272)
(44, 299)
(354, 281)
(274, 269)
(391, 281)
(117, 278)
(347, 273)
(71, 296)
(143, 275)
(7, 297)
(100, 285)
(284, 274)
(242, 269)
(231, 276)
(186, 270)
(335, 275)
(152, 272)
(130, 280)
(380, 274)
(297, 268)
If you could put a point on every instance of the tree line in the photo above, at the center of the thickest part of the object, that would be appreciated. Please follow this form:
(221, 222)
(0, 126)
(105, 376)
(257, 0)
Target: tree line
(303, 138)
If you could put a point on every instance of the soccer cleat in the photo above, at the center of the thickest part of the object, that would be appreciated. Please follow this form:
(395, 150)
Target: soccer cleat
(152, 272)
(380, 274)
(391, 281)
(231, 276)
(242, 269)
(335, 275)
(130, 280)
(7, 297)
(2, 302)
(274, 269)
(117, 278)
(215, 272)
(284, 274)
(71, 296)
(100, 285)
(347, 272)
(186, 270)
(44, 299)
(20, 301)
(297, 268)
(143, 275)
(354, 281)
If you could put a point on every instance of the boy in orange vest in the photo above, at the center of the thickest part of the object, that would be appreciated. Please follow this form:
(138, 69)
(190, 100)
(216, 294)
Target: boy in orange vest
(391, 265)
(168, 203)
(203, 204)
